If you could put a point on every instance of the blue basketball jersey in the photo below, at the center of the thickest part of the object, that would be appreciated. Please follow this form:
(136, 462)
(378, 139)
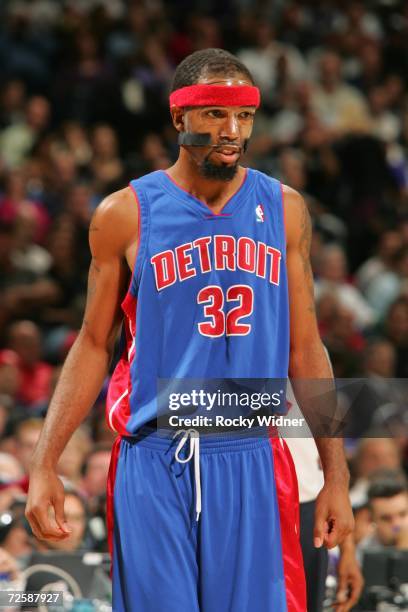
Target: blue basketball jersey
(208, 296)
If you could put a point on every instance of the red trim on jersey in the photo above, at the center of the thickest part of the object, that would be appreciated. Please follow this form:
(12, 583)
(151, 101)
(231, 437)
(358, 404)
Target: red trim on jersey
(117, 401)
(288, 503)
(120, 385)
(139, 227)
(109, 494)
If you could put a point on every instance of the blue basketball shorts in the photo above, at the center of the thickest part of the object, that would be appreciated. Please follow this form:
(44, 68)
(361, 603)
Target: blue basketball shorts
(242, 554)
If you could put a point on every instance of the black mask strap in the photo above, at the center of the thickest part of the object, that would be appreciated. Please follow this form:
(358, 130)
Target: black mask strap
(194, 139)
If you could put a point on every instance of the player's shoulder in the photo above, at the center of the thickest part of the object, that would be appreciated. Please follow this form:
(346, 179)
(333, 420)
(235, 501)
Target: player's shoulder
(297, 218)
(293, 201)
(117, 207)
(115, 220)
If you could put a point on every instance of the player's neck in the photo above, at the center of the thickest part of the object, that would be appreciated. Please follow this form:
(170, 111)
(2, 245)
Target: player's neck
(214, 193)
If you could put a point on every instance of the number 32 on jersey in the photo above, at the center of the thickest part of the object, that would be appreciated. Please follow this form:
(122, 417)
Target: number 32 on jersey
(218, 321)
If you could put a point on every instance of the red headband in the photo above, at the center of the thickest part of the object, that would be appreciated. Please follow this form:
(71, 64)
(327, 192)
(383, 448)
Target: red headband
(216, 95)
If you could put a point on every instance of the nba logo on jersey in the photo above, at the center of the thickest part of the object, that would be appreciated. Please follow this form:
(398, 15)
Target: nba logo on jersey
(260, 215)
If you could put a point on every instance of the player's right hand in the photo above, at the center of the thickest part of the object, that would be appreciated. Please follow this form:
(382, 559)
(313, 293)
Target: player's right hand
(45, 505)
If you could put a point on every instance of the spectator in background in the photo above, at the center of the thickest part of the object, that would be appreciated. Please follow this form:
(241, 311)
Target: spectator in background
(125, 41)
(262, 59)
(75, 138)
(379, 390)
(73, 457)
(340, 107)
(26, 437)
(388, 503)
(61, 175)
(15, 198)
(153, 153)
(6, 407)
(15, 535)
(379, 364)
(13, 99)
(396, 330)
(9, 568)
(95, 474)
(35, 375)
(389, 243)
(363, 526)
(102, 432)
(12, 482)
(67, 252)
(22, 292)
(359, 20)
(18, 139)
(10, 378)
(106, 164)
(332, 277)
(370, 71)
(11, 469)
(342, 336)
(86, 90)
(78, 210)
(205, 32)
(372, 455)
(30, 225)
(385, 124)
(392, 283)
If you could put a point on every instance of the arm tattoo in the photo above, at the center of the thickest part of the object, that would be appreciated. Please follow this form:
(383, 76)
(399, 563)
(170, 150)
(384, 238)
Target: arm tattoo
(94, 265)
(304, 250)
(93, 272)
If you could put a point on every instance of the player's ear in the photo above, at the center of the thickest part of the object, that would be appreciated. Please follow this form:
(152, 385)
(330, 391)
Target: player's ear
(177, 115)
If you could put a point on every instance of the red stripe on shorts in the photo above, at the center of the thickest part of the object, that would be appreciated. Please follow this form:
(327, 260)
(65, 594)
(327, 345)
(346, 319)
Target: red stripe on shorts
(288, 503)
(109, 494)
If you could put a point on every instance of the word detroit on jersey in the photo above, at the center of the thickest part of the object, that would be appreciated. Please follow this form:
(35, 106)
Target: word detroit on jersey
(220, 252)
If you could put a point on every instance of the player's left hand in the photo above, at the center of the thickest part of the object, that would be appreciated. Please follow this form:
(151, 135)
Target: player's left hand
(333, 515)
(350, 581)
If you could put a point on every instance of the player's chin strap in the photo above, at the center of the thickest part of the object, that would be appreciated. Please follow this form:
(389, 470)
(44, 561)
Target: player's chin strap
(212, 95)
(194, 437)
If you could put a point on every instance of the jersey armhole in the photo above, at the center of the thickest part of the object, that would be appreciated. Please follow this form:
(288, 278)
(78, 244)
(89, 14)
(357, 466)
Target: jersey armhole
(143, 231)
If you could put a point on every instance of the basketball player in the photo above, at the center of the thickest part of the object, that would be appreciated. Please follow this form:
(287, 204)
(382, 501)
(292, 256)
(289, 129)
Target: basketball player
(218, 289)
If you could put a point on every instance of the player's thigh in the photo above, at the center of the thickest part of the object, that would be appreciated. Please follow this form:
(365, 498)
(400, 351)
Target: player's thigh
(154, 554)
(241, 561)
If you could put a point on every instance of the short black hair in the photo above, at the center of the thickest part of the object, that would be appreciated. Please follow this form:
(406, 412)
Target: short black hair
(208, 62)
(386, 487)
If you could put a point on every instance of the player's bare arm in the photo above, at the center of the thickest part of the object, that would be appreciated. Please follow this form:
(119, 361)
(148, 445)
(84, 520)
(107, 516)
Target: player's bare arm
(350, 578)
(308, 361)
(112, 239)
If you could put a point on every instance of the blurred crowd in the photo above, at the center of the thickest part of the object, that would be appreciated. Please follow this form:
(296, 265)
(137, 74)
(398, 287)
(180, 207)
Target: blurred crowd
(84, 108)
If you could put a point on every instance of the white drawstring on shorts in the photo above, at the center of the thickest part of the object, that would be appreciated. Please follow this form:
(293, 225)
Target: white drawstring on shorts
(194, 437)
